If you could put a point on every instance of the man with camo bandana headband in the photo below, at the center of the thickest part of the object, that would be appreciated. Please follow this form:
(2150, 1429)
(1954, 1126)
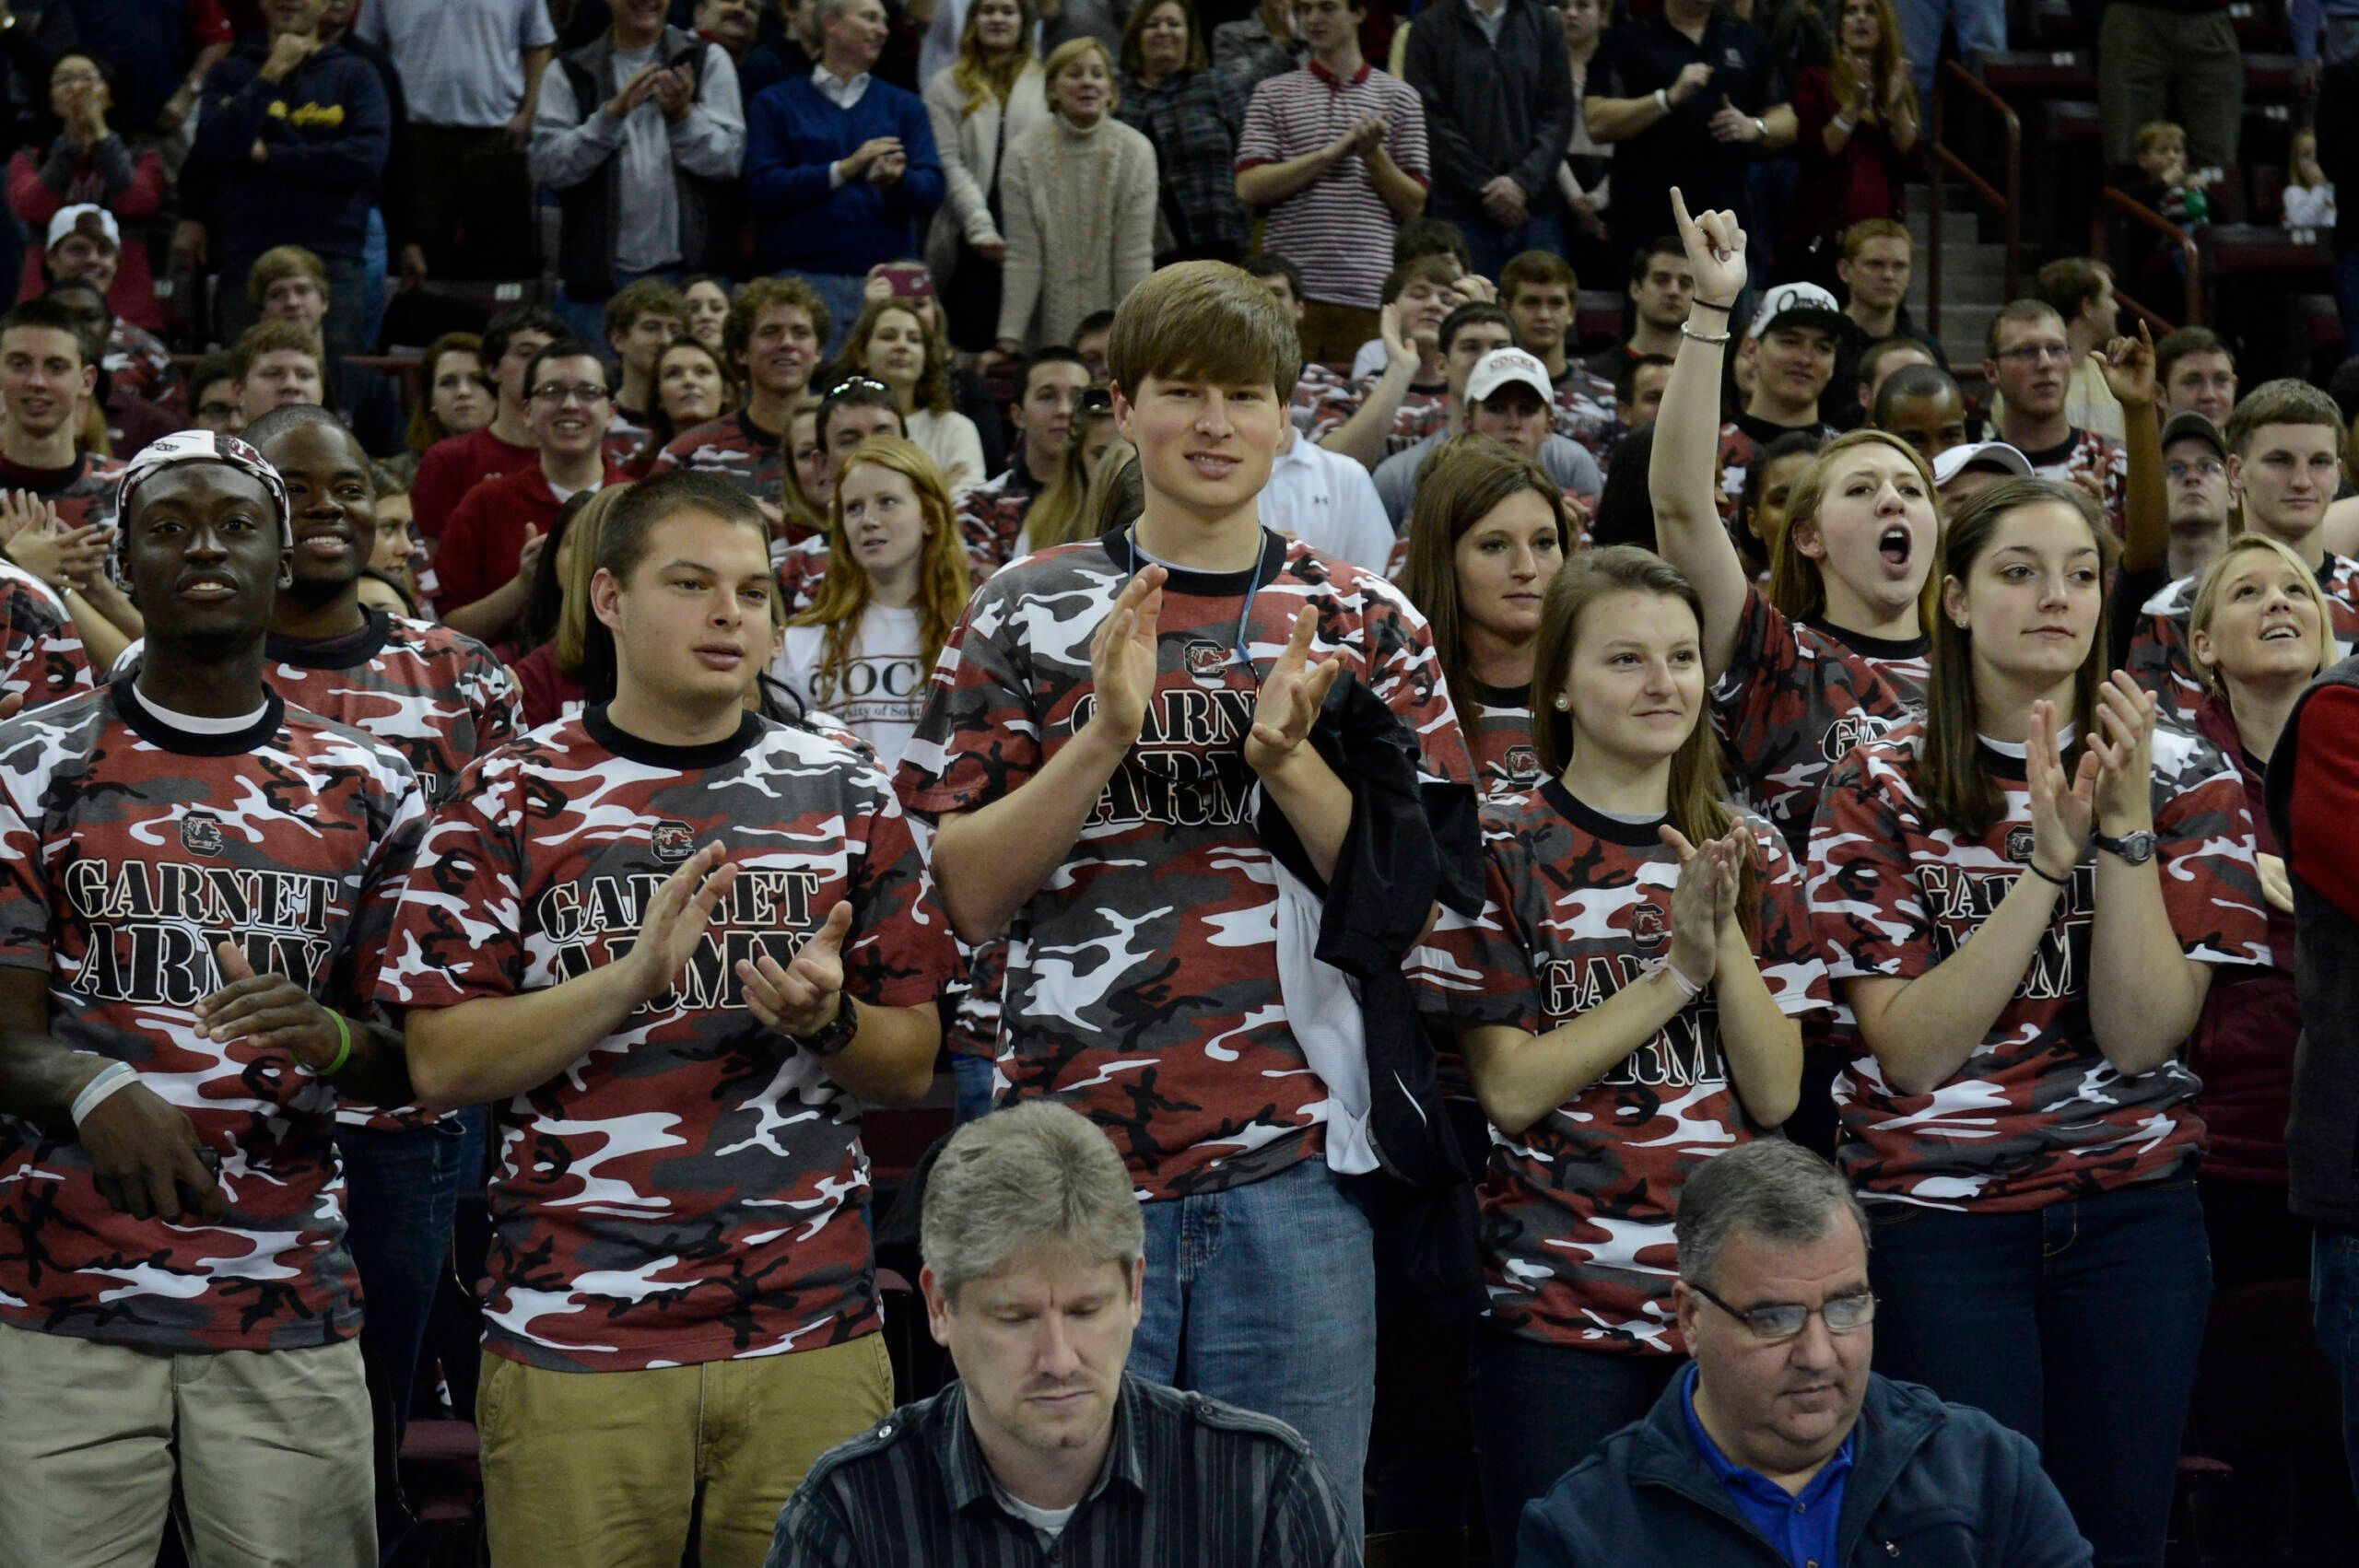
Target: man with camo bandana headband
(195, 880)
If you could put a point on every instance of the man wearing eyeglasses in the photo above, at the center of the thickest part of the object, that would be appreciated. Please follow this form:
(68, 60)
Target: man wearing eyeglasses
(492, 543)
(1778, 1444)
(2030, 359)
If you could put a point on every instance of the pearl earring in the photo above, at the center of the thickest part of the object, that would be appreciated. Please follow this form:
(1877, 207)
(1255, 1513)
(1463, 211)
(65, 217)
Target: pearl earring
(1563, 703)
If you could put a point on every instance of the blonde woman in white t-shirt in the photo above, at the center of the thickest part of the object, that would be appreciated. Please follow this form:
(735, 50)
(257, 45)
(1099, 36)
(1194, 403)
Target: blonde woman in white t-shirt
(897, 580)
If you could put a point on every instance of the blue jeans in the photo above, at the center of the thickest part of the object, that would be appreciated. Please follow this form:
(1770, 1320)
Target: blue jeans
(1981, 29)
(2078, 1325)
(973, 1075)
(1540, 1409)
(401, 1191)
(2334, 1308)
(375, 256)
(845, 295)
(1264, 1296)
(1491, 245)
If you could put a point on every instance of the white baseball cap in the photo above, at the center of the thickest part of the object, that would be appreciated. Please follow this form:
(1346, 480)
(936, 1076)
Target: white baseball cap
(1996, 455)
(1805, 299)
(68, 220)
(1504, 367)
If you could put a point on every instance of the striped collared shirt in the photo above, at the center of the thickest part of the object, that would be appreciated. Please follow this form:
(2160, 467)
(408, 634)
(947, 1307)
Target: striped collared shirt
(1187, 1481)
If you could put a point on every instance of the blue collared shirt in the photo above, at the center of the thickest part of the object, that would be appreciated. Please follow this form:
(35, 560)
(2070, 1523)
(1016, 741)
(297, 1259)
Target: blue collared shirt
(1802, 1528)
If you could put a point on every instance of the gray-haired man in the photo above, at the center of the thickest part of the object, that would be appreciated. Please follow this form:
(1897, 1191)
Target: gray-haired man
(1759, 1452)
(1045, 1449)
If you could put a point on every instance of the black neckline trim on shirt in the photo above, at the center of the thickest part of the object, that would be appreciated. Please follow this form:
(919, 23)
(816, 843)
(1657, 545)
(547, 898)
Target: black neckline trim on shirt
(1502, 696)
(346, 652)
(2001, 766)
(1121, 548)
(1868, 646)
(1596, 823)
(679, 759)
(180, 742)
(2049, 457)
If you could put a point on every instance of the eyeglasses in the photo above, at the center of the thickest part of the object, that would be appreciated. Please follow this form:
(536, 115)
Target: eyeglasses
(2033, 352)
(558, 397)
(2201, 468)
(1784, 1319)
(859, 383)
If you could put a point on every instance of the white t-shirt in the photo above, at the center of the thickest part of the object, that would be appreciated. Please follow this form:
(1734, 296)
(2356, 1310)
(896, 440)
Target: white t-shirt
(1329, 502)
(461, 62)
(884, 681)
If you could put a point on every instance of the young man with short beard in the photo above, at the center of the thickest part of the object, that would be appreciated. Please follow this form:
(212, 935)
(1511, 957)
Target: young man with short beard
(2284, 462)
(683, 946)
(775, 330)
(195, 882)
(1099, 722)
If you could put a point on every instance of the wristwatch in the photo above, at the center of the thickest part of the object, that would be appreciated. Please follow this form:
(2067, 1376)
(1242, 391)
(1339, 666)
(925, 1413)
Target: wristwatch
(834, 1036)
(2135, 849)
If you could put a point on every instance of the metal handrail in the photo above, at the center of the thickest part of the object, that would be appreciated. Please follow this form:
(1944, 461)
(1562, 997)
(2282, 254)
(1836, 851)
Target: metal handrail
(2113, 199)
(2010, 202)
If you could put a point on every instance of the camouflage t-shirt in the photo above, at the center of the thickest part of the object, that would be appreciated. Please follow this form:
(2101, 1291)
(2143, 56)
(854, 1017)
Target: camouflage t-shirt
(82, 492)
(735, 448)
(2086, 453)
(1424, 411)
(1505, 762)
(40, 650)
(1578, 1207)
(2160, 662)
(127, 850)
(992, 515)
(1797, 697)
(2036, 1114)
(1742, 440)
(1583, 411)
(693, 1188)
(1142, 980)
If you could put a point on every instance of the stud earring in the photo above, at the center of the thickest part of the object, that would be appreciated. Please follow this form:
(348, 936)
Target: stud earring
(1563, 703)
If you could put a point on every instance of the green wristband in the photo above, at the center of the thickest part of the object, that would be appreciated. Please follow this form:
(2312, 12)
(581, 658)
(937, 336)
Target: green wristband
(342, 1049)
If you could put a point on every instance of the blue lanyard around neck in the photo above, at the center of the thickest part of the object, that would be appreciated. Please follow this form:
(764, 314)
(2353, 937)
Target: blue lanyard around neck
(1253, 587)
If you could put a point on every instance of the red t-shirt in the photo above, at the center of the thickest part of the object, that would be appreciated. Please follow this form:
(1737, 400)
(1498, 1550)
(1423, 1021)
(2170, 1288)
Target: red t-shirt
(127, 851)
(1578, 1207)
(484, 535)
(693, 1188)
(2036, 1114)
(1142, 977)
(451, 468)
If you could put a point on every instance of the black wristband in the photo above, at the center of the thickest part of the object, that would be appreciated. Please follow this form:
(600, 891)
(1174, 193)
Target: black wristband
(2033, 866)
(1727, 310)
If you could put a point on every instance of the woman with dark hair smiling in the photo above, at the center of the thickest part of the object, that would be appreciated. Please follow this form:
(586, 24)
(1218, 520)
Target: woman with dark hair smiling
(2025, 898)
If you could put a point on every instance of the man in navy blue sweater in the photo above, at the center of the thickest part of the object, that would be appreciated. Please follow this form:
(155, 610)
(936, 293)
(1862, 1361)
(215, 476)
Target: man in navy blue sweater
(841, 165)
(293, 137)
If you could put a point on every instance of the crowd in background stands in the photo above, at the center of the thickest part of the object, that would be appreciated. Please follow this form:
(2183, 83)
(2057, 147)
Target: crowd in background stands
(946, 450)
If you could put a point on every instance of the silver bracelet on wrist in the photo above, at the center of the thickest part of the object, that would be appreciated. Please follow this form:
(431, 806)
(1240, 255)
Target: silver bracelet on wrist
(1662, 100)
(1711, 337)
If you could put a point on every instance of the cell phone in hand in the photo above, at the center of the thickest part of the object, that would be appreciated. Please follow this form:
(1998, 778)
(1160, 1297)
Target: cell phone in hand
(909, 280)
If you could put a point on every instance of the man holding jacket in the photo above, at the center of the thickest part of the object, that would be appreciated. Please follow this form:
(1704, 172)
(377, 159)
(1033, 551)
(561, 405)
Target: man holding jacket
(288, 152)
(1498, 97)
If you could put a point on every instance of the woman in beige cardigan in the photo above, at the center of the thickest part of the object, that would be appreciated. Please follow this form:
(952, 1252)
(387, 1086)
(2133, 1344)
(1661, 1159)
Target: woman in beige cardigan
(988, 98)
(1078, 199)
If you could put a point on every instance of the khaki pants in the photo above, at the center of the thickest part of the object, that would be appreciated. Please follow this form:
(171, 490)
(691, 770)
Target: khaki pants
(2171, 64)
(1332, 334)
(271, 1446)
(602, 1470)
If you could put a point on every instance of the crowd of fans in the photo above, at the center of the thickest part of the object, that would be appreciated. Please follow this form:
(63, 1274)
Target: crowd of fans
(1687, 936)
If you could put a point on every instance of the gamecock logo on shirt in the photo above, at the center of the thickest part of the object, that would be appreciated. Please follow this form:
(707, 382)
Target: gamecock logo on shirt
(674, 841)
(1204, 662)
(201, 833)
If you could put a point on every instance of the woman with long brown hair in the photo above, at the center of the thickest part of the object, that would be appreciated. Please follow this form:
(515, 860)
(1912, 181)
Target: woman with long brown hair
(989, 97)
(2023, 899)
(1627, 1002)
(1856, 125)
(897, 580)
(1486, 536)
